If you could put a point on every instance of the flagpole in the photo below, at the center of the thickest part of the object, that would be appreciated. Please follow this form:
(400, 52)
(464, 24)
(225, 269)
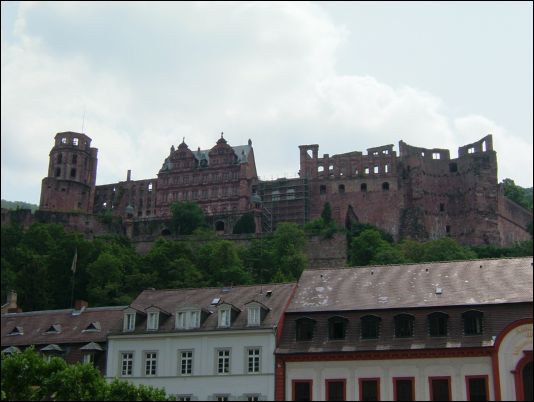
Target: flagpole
(73, 269)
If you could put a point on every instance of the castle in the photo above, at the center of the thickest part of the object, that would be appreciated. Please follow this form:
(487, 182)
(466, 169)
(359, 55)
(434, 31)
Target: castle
(420, 193)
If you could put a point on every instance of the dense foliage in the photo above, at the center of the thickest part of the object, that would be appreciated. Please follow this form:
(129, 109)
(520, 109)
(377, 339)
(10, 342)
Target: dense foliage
(187, 217)
(26, 376)
(518, 194)
(37, 264)
(18, 205)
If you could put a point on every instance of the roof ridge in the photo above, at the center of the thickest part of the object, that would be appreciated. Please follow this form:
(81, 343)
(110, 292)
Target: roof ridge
(218, 287)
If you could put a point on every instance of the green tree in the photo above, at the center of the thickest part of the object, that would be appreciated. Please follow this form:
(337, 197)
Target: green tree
(289, 241)
(245, 224)
(26, 376)
(326, 214)
(364, 248)
(220, 262)
(186, 217)
(518, 194)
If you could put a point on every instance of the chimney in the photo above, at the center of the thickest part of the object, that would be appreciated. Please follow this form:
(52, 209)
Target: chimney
(129, 175)
(11, 303)
(80, 304)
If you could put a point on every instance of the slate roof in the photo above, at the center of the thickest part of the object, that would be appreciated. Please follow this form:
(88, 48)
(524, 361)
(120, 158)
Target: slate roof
(34, 325)
(172, 300)
(487, 281)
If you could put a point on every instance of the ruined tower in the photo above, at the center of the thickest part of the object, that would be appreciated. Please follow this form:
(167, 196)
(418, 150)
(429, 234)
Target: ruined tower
(70, 184)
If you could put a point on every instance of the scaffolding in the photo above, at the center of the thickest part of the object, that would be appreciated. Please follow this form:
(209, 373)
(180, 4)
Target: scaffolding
(284, 200)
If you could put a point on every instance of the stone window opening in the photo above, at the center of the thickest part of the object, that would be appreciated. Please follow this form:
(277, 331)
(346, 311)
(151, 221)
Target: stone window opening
(304, 329)
(363, 187)
(447, 229)
(75, 142)
(422, 154)
(73, 172)
(437, 324)
(337, 328)
(149, 186)
(471, 150)
(370, 327)
(366, 170)
(356, 172)
(58, 172)
(385, 186)
(453, 167)
(74, 158)
(322, 189)
(436, 155)
(441, 207)
(341, 189)
(375, 169)
(64, 140)
(472, 322)
(320, 169)
(404, 324)
(219, 226)
(386, 168)
(60, 158)
(484, 147)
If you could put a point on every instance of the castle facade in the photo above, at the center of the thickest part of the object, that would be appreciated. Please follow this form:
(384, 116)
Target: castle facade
(419, 193)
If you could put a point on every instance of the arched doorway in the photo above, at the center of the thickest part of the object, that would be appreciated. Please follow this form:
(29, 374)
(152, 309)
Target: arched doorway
(523, 378)
(219, 226)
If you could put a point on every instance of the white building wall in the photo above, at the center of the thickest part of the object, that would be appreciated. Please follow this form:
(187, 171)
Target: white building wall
(204, 382)
(386, 370)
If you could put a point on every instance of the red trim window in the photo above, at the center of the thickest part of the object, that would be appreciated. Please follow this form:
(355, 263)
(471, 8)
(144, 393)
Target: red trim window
(477, 387)
(369, 389)
(440, 388)
(302, 390)
(404, 388)
(336, 390)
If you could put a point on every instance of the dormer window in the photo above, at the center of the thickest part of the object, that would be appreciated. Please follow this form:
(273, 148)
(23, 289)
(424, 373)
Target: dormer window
(16, 331)
(404, 325)
(224, 317)
(337, 327)
(472, 322)
(253, 316)
(305, 327)
(152, 322)
(188, 319)
(92, 327)
(129, 322)
(53, 329)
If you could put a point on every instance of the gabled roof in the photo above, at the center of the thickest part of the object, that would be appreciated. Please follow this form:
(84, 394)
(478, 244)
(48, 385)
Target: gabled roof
(73, 327)
(237, 296)
(92, 346)
(488, 281)
(52, 348)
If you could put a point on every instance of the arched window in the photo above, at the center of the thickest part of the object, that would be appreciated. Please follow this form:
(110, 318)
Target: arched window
(385, 186)
(337, 327)
(472, 322)
(304, 329)
(219, 226)
(370, 325)
(363, 187)
(341, 189)
(437, 324)
(404, 325)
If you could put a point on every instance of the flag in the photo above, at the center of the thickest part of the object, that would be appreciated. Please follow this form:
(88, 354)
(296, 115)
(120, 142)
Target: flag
(73, 267)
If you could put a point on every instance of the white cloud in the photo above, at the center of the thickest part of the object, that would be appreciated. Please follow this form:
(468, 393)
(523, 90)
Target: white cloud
(150, 74)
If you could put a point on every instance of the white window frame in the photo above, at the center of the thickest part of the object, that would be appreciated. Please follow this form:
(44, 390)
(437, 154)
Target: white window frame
(225, 314)
(253, 316)
(129, 322)
(254, 357)
(152, 322)
(88, 358)
(223, 358)
(149, 363)
(124, 359)
(187, 319)
(182, 359)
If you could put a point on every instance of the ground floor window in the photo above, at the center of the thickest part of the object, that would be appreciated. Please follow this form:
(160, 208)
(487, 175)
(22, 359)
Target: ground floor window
(369, 389)
(440, 388)
(302, 390)
(404, 389)
(335, 390)
(477, 388)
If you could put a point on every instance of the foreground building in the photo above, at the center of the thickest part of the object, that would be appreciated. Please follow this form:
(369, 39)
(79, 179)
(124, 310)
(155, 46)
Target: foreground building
(417, 193)
(76, 335)
(202, 344)
(435, 331)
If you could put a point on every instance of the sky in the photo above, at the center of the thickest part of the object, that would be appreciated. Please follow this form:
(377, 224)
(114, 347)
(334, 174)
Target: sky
(138, 77)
